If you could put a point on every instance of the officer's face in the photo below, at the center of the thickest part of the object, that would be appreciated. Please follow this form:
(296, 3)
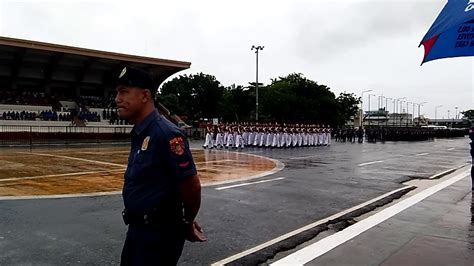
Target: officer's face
(130, 102)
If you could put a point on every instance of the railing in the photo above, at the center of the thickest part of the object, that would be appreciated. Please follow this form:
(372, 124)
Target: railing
(11, 135)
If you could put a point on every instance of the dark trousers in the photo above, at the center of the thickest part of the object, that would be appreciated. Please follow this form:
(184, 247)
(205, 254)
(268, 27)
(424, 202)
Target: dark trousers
(152, 246)
(472, 175)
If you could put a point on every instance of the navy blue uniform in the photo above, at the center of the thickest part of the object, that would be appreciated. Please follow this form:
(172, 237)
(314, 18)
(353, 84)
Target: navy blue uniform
(159, 160)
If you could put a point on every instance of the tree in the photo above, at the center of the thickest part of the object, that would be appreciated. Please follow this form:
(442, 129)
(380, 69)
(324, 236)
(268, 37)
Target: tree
(194, 96)
(295, 98)
(348, 106)
(469, 114)
(237, 104)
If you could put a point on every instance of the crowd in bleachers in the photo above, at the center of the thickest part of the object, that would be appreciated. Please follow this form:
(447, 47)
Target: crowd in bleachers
(111, 115)
(12, 97)
(24, 98)
(89, 116)
(95, 101)
(47, 115)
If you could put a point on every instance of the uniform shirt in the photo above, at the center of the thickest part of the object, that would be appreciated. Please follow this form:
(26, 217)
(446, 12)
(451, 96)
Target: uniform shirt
(159, 160)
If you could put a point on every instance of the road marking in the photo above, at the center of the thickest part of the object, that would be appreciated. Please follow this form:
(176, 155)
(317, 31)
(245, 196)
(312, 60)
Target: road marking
(250, 183)
(61, 196)
(278, 167)
(369, 163)
(216, 161)
(422, 154)
(302, 229)
(304, 157)
(326, 244)
(74, 158)
(253, 152)
(59, 175)
(450, 149)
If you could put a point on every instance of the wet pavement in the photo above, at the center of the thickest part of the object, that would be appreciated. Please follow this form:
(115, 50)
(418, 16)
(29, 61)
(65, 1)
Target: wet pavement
(314, 184)
(437, 231)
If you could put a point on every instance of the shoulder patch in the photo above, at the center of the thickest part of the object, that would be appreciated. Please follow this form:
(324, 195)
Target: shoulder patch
(177, 145)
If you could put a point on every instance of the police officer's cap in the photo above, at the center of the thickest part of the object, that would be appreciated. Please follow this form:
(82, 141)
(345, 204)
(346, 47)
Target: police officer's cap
(135, 77)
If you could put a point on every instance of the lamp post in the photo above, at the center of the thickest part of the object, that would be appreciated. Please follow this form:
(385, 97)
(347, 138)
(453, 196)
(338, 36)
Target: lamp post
(256, 48)
(394, 110)
(369, 106)
(397, 100)
(419, 107)
(408, 112)
(456, 114)
(436, 112)
(362, 106)
(386, 108)
(369, 100)
(386, 103)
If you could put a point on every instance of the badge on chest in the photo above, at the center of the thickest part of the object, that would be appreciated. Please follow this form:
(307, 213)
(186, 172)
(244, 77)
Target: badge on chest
(145, 143)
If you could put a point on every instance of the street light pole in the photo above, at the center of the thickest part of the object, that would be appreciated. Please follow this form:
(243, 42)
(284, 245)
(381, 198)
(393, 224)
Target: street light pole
(397, 100)
(362, 106)
(386, 109)
(369, 106)
(256, 48)
(419, 107)
(408, 112)
(456, 115)
(436, 112)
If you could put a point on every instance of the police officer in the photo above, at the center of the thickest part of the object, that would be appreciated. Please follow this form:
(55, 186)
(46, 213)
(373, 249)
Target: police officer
(161, 192)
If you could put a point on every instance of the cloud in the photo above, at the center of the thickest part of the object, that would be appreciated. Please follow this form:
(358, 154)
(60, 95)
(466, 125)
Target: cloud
(351, 26)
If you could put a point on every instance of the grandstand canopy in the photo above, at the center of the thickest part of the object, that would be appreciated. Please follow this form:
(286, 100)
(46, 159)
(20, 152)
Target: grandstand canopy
(70, 71)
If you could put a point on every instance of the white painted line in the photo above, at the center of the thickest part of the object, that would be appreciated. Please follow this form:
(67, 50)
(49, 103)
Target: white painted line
(253, 152)
(304, 157)
(74, 158)
(422, 154)
(326, 244)
(250, 183)
(278, 167)
(216, 161)
(369, 163)
(59, 175)
(304, 228)
(450, 149)
(61, 196)
(442, 173)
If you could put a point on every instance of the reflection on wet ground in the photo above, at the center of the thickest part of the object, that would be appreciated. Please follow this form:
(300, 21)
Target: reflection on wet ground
(87, 170)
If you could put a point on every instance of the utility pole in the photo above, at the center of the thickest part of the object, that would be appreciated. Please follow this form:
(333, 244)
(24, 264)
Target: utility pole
(369, 107)
(436, 112)
(386, 108)
(419, 107)
(362, 107)
(256, 48)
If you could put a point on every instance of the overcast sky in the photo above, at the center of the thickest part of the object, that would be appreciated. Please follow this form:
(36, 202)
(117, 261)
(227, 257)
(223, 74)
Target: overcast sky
(347, 45)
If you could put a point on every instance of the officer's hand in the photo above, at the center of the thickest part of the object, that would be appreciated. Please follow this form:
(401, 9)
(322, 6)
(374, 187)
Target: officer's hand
(194, 233)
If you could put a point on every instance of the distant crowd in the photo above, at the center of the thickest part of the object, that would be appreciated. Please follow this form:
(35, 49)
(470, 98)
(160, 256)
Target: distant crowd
(49, 115)
(32, 116)
(111, 115)
(24, 98)
(375, 134)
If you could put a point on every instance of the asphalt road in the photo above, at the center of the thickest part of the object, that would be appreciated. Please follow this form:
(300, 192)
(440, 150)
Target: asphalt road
(316, 182)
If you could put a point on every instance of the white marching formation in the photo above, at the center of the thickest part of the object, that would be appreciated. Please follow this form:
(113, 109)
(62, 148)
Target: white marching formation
(266, 135)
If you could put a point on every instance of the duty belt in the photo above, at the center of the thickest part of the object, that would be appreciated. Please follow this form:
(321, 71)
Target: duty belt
(153, 218)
